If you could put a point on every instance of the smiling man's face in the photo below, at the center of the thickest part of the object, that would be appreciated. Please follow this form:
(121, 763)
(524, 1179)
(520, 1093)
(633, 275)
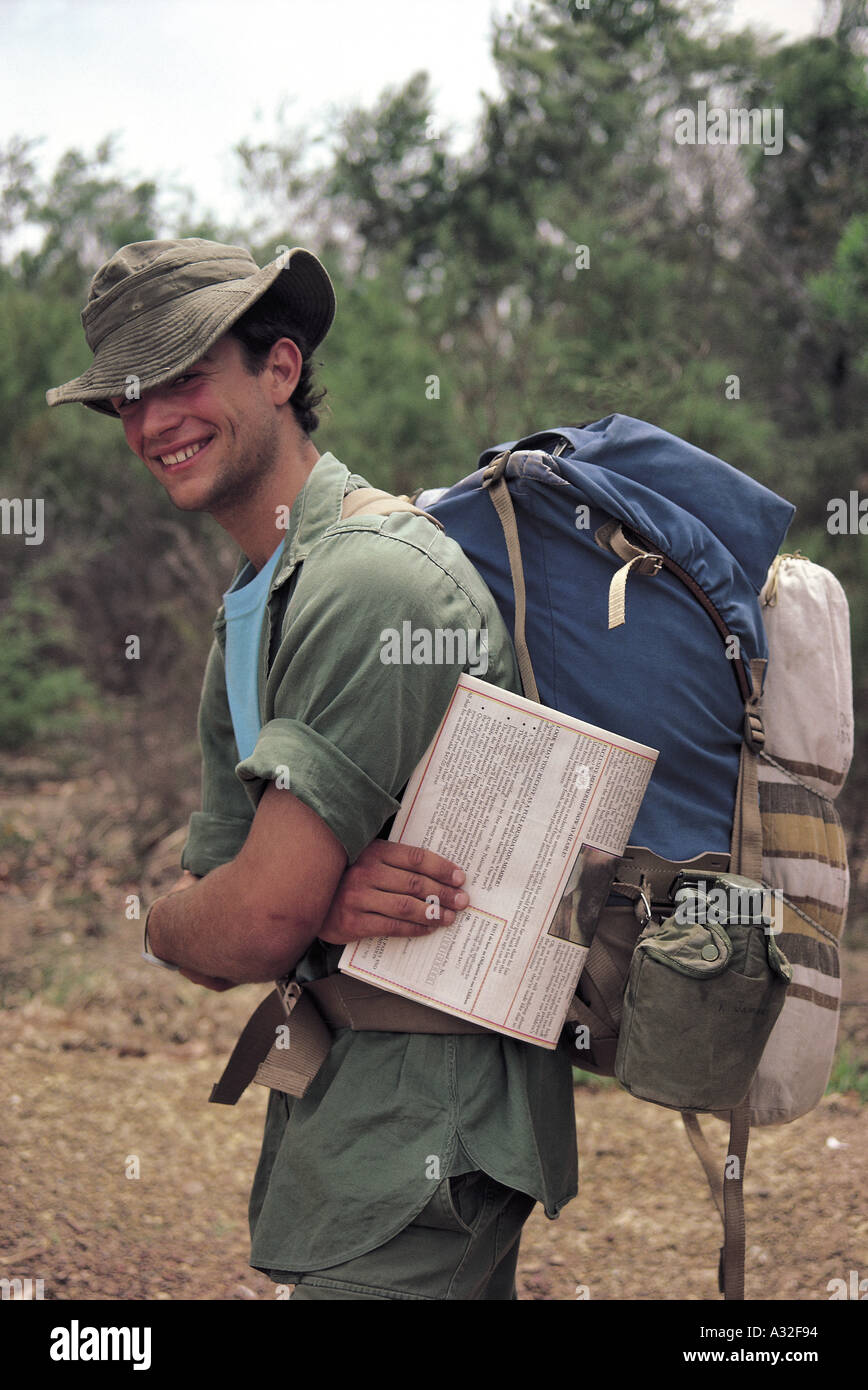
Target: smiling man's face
(211, 436)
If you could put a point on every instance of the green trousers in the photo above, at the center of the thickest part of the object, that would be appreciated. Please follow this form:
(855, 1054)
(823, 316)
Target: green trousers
(462, 1245)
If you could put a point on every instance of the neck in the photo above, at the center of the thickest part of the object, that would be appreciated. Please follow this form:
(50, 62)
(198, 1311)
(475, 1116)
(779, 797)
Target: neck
(258, 523)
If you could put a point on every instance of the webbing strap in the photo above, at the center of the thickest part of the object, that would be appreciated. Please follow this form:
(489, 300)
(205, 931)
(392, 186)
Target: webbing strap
(746, 857)
(703, 1152)
(611, 537)
(258, 1035)
(499, 494)
(283, 1045)
(640, 867)
(644, 564)
(287, 1059)
(728, 1193)
(731, 1278)
(372, 501)
(746, 849)
(296, 1054)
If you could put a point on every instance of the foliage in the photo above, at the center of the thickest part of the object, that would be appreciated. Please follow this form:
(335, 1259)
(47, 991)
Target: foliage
(849, 1073)
(41, 694)
(574, 261)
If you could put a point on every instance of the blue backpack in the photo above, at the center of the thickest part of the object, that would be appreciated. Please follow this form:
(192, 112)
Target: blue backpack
(676, 674)
(627, 565)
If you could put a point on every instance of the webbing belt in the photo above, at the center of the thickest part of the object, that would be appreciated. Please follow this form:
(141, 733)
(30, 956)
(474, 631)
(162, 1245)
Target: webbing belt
(287, 1039)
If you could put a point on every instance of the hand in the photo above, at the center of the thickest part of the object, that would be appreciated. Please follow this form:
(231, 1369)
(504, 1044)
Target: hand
(394, 890)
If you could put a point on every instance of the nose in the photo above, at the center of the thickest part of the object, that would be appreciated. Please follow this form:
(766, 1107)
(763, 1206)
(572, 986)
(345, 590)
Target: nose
(159, 416)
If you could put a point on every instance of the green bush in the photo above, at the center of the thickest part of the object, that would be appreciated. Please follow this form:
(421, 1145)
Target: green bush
(41, 693)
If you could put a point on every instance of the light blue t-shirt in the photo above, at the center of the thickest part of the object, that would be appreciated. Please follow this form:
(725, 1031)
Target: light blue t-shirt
(245, 609)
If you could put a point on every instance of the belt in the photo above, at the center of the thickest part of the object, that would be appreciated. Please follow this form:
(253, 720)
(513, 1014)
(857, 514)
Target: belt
(287, 1039)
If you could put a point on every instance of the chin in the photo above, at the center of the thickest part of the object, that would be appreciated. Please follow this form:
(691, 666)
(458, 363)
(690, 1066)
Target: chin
(189, 500)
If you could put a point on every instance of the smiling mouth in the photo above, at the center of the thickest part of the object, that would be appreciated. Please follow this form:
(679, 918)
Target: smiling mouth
(183, 456)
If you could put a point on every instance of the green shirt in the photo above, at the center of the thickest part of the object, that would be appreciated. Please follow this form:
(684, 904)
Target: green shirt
(348, 1166)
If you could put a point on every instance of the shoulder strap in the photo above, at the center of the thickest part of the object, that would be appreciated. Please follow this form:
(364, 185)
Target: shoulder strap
(372, 501)
(498, 491)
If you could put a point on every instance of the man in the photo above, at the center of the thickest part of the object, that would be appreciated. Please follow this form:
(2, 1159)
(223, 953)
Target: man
(408, 1167)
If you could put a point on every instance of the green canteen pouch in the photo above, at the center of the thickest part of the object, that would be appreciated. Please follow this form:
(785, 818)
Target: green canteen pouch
(703, 993)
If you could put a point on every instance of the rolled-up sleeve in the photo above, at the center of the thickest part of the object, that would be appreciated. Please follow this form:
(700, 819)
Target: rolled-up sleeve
(346, 723)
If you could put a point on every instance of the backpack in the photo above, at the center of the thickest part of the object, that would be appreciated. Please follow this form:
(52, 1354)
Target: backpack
(629, 567)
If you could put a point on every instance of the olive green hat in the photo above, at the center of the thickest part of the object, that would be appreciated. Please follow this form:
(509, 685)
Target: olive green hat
(157, 306)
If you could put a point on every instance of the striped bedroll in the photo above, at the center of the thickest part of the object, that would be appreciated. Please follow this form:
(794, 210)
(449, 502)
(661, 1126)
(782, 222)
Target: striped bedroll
(807, 712)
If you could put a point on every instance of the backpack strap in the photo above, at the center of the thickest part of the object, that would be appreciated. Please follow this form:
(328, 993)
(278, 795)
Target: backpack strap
(746, 857)
(372, 501)
(498, 491)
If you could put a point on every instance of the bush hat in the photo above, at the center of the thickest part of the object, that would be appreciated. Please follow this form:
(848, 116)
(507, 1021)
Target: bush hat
(156, 307)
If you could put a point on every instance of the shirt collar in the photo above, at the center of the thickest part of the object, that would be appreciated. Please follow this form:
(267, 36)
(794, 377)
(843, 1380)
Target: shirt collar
(316, 507)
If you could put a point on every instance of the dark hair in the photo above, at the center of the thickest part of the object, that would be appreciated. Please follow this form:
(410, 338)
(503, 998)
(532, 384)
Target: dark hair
(258, 330)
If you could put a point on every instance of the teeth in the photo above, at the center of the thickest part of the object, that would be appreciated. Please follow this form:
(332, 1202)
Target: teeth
(168, 459)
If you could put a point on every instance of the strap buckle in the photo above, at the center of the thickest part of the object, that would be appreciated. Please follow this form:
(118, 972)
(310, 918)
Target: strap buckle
(290, 992)
(645, 899)
(754, 731)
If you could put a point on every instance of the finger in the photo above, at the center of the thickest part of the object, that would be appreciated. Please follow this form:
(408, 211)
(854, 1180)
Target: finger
(371, 926)
(385, 879)
(417, 860)
(402, 907)
(390, 914)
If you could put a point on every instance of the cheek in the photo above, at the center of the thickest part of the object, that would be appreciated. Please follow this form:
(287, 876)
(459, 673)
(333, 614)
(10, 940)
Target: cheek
(132, 434)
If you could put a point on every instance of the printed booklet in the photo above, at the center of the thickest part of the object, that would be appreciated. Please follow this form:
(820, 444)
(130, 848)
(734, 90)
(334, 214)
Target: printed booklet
(536, 807)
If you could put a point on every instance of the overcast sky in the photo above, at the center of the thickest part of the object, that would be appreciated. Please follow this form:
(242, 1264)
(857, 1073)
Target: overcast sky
(181, 81)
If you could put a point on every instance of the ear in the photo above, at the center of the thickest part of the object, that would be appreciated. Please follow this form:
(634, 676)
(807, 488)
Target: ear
(282, 370)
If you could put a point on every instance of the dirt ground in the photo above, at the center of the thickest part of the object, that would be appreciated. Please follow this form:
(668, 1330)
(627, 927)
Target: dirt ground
(107, 1069)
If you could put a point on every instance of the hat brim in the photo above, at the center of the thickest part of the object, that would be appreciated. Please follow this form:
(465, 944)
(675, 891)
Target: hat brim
(159, 344)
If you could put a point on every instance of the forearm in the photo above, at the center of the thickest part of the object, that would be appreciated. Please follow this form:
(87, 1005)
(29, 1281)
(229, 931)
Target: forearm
(253, 918)
(216, 928)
